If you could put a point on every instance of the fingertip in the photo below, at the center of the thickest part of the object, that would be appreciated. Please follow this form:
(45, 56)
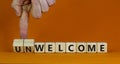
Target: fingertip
(18, 13)
(37, 16)
(45, 10)
(36, 13)
(51, 2)
(17, 10)
(16, 5)
(44, 5)
(36, 9)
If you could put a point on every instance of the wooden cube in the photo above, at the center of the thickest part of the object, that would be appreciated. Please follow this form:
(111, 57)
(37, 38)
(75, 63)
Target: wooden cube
(102, 47)
(18, 45)
(81, 47)
(50, 47)
(28, 45)
(60, 47)
(91, 47)
(70, 47)
(39, 47)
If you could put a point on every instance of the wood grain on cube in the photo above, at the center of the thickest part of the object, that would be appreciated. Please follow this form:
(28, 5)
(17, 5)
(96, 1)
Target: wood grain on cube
(81, 47)
(50, 47)
(18, 45)
(39, 47)
(102, 47)
(91, 47)
(60, 47)
(28, 45)
(70, 47)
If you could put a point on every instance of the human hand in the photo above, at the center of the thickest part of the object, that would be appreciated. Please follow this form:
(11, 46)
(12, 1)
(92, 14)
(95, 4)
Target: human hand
(23, 7)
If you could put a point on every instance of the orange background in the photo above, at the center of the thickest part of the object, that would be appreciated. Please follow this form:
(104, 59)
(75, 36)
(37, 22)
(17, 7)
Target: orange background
(67, 20)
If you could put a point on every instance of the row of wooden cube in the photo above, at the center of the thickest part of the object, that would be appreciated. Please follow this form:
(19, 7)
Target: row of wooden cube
(29, 45)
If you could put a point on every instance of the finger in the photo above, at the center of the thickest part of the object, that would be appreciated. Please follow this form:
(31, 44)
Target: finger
(16, 5)
(44, 5)
(36, 9)
(51, 2)
(24, 25)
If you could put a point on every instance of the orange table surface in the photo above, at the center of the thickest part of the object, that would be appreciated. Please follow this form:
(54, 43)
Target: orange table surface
(58, 58)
